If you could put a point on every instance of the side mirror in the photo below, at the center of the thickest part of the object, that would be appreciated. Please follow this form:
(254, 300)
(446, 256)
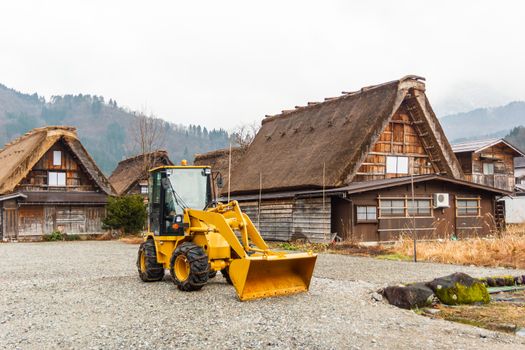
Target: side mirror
(219, 181)
(165, 182)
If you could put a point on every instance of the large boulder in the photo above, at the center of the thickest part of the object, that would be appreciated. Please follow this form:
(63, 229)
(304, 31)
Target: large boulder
(409, 297)
(459, 288)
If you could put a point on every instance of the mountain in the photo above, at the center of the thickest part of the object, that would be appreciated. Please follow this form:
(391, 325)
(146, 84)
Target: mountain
(484, 122)
(105, 129)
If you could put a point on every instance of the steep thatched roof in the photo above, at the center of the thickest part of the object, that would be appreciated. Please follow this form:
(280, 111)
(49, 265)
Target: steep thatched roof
(131, 170)
(291, 149)
(219, 161)
(19, 156)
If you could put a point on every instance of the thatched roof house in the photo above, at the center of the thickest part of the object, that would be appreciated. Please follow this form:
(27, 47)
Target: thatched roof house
(343, 169)
(295, 148)
(131, 175)
(49, 182)
(219, 161)
(19, 156)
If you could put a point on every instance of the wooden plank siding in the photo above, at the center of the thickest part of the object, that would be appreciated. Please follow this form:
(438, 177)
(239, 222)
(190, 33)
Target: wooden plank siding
(40, 220)
(399, 138)
(311, 220)
(76, 178)
(275, 221)
(291, 219)
(442, 223)
(500, 155)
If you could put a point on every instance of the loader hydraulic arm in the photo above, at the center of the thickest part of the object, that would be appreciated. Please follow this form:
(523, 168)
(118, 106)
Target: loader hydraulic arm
(240, 221)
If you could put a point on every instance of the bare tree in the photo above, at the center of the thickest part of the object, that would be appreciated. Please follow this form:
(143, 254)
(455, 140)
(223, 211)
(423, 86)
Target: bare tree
(243, 135)
(149, 135)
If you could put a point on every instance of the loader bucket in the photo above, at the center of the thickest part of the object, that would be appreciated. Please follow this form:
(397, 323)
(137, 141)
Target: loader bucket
(262, 277)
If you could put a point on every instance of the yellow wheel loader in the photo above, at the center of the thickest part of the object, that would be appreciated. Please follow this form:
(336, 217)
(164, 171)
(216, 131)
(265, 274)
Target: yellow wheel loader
(194, 238)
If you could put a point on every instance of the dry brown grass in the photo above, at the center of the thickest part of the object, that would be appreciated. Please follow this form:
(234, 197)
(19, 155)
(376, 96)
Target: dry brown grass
(506, 249)
(505, 317)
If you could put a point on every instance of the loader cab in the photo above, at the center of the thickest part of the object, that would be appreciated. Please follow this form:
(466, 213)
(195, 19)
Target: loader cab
(173, 189)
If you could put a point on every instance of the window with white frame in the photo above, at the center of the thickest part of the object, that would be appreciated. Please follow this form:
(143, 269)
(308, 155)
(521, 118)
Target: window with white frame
(144, 189)
(396, 165)
(392, 207)
(419, 207)
(405, 207)
(468, 206)
(56, 179)
(488, 168)
(57, 157)
(366, 213)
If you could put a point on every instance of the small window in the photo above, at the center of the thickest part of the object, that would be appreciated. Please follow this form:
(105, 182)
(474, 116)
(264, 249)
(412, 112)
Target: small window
(467, 207)
(419, 207)
(144, 189)
(395, 207)
(396, 165)
(488, 168)
(366, 213)
(56, 179)
(57, 158)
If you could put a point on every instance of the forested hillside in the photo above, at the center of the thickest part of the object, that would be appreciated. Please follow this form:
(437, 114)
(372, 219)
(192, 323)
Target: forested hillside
(517, 137)
(106, 130)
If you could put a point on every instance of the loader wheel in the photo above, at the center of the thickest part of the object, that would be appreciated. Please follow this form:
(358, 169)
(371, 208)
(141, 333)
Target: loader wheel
(189, 267)
(149, 269)
(212, 274)
(226, 274)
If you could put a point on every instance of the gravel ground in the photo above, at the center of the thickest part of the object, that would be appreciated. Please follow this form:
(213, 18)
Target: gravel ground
(88, 295)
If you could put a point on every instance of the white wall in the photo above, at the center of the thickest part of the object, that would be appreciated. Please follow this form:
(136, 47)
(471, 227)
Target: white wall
(515, 210)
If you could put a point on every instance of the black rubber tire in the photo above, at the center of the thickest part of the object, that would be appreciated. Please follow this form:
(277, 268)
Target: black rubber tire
(226, 274)
(154, 271)
(199, 267)
(212, 274)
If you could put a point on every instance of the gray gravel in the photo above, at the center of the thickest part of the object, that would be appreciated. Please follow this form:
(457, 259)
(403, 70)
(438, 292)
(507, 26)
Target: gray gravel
(88, 295)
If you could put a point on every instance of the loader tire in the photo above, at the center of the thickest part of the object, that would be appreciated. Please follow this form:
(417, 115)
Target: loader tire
(212, 274)
(189, 267)
(149, 269)
(226, 274)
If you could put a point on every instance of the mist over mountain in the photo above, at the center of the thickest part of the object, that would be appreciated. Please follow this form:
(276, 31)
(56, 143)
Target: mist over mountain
(105, 129)
(484, 122)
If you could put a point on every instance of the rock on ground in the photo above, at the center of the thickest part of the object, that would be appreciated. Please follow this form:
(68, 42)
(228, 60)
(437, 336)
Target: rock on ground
(87, 295)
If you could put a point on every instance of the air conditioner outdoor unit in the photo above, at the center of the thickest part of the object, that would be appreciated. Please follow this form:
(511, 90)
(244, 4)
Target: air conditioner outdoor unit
(441, 200)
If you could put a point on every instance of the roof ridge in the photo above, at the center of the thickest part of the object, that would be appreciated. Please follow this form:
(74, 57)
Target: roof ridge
(135, 157)
(311, 105)
(217, 151)
(38, 130)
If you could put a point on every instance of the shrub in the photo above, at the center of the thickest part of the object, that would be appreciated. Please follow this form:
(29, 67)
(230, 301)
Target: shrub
(127, 213)
(288, 246)
(54, 236)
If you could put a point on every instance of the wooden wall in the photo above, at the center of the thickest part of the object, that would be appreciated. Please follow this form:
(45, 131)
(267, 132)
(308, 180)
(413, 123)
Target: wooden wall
(501, 156)
(76, 178)
(399, 138)
(442, 223)
(291, 219)
(33, 221)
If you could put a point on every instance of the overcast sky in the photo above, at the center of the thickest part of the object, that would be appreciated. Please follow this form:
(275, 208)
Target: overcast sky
(225, 63)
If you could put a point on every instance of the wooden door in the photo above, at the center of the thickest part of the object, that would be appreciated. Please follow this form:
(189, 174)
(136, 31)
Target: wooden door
(10, 223)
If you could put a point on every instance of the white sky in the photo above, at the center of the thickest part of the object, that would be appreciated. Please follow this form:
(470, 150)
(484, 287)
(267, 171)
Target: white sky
(225, 63)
